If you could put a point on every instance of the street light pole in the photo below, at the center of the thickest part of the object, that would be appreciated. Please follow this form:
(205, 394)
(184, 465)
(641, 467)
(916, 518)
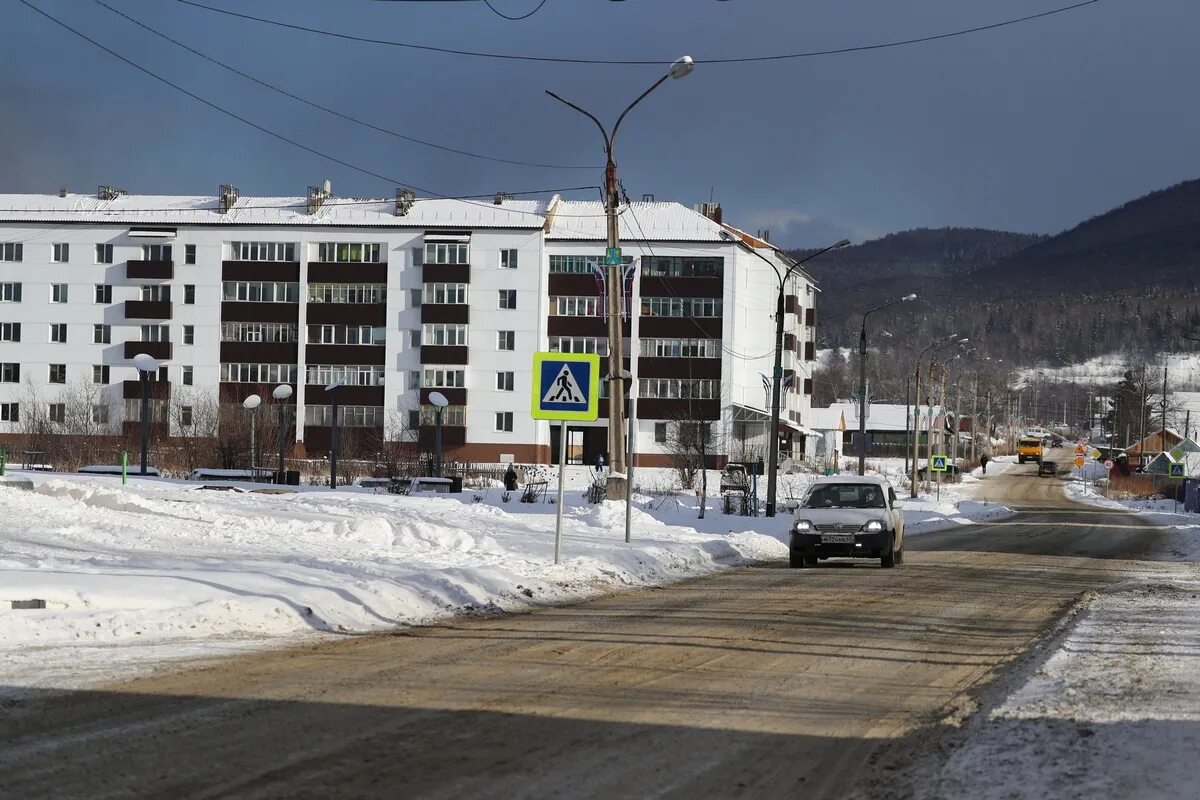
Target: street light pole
(145, 364)
(281, 393)
(251, 405)
(862, 381)
(617, 487)
(916, 456)
(334, 435)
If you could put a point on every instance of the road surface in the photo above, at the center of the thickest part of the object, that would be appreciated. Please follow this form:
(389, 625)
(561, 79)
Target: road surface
(760, 682)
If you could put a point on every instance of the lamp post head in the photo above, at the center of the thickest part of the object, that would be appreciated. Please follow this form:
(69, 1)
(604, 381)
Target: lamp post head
(438, 399)
(335, 385)
(144, 362)
(842, 243)
(252, 402)
(681, 67)
(282, 392)
(908, 297)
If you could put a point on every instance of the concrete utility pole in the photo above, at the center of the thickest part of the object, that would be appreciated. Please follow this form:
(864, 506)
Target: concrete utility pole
(916, 447)
(862, 381)
(618, 485)
(907, 420)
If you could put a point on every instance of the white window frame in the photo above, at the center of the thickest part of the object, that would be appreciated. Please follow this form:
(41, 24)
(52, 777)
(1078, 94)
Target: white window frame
(445, 293)
(504, 422)
(60, 253)
(104, 253)
(506, 338)
(444, 334)
(505, 381)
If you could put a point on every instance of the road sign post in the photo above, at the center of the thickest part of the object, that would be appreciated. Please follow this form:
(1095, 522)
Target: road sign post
(566, 387)
(938, 464)
(1176, 472)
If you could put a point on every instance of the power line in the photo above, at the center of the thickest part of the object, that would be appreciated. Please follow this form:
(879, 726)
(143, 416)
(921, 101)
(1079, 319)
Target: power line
(643, 62)
(500, 13)
(326, 109)
(274, 134)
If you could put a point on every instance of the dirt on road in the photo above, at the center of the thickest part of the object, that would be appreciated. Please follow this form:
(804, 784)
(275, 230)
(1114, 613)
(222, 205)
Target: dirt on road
(760, 682)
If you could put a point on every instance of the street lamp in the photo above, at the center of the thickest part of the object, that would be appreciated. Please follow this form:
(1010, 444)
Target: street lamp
(333, 434)
(617, 487)
(281, 393)
(862, 381)
(251, 404)
(145, 364)
(439, 402)
(937, 345)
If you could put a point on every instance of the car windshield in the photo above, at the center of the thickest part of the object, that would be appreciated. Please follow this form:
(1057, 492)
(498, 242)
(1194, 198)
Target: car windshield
(1031, 443)
(846, 495)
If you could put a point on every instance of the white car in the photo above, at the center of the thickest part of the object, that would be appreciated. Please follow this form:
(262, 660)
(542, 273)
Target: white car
(846, 516)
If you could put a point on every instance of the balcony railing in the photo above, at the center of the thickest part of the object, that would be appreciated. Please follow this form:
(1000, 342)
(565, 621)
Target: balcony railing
(147, 309)
(159, 350)
(152, 270)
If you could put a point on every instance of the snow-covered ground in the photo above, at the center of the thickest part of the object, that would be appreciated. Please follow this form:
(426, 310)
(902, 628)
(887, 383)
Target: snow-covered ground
(1183, 369)
(1167, 513)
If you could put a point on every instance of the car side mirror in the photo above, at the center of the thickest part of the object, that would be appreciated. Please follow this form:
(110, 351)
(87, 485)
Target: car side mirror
(791, 505)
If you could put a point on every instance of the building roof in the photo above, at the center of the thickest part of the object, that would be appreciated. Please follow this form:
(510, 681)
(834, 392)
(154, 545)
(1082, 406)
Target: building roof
(882, 416)
(1155, 442)
(827, 419)
(583, 220)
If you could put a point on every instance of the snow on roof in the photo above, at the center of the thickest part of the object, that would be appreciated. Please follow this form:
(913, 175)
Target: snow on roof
(202, 210)
(882, 416)
(656, 221)
(826, 419)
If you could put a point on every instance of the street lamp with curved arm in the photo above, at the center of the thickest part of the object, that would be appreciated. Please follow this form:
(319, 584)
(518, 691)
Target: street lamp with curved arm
(862, 380)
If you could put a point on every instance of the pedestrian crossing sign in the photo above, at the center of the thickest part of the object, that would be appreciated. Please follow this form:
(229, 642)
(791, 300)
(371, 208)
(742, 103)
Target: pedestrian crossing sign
(1176, 470)
(566, 386)
(939, 464)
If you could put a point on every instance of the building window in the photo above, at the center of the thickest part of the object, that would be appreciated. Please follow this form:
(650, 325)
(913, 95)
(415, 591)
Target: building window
(273, 332)
(158, 410)
(185, 416)
(100, 373)
(504, 421)
(563, 306)
(58, 413)
(58, 373)
(58, 293)
(447, 253)
(58, 332)
(189, 294)
(414, 419)
(414, 379)
(347, 293)
(104, 254)
(189, 254)
(61, 254)
(260, 292)
(414, 298)
(186, 376)
(506, 340)
(683, 266)
(508, 259)
(10, 331)
(444, 334)
(350, 252)
(660, 432)
(348, 416)
(156, 333)
(10, 292)
(11, 251)
(189, 334)
(350, 375)
(10, 412)
(258, 373)
(681, 307)
(103, 293)
(101, 334)
(262, 251)
(99, 415)
(508, 298)
(345, 334)
(680, 348)
(156, 293)
(581, 265)
(679, 388)
(10, 372)
(504, 381)
(444, 378)
(414, 338)
(156, 252)
(454, 416)
(455, 293)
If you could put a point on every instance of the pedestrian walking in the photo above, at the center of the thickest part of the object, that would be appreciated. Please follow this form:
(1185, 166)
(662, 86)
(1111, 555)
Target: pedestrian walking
(983, 461)
(510, 478)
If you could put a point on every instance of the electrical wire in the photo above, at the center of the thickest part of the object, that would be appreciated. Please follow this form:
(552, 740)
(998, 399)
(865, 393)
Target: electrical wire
(643, 62)
(500, 13)
(326, 109)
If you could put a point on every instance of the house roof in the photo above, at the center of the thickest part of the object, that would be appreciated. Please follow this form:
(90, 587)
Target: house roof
(882, 416)
(584, 220)
(1156, 442)
(826, 419)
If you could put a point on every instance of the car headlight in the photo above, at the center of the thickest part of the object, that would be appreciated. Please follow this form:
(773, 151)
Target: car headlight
(803, 526)
(874, 526)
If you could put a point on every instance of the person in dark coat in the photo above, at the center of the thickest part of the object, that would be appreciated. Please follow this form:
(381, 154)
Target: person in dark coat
(510, 478)
(983, 461)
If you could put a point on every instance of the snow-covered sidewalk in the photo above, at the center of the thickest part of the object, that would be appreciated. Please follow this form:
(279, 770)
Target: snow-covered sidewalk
(951, 505)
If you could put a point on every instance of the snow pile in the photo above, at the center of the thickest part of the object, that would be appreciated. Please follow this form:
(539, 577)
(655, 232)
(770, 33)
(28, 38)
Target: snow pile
(157, 567)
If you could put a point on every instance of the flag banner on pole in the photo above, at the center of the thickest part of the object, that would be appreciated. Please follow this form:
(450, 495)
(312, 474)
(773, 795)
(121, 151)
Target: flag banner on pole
(627, 289)
(601, 284)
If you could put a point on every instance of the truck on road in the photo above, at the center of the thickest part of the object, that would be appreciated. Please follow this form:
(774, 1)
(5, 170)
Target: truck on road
(1029, 448)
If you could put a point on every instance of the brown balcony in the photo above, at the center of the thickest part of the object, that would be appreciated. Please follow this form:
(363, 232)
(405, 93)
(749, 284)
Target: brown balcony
(446, 312)
(159, 390)
(452, 436)
(147, 309)
(442, 354)
(159, 350)
(149, 270)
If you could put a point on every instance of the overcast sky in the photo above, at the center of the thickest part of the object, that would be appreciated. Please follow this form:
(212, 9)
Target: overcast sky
(1028, 128)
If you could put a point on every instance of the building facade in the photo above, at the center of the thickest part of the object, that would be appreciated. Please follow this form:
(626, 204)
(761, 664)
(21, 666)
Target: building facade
(389, 301)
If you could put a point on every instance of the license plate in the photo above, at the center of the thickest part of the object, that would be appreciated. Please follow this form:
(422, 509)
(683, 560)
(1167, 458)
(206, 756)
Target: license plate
(833, 538)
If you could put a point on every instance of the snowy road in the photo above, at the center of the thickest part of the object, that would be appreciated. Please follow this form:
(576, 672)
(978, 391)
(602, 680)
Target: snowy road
(757, 682)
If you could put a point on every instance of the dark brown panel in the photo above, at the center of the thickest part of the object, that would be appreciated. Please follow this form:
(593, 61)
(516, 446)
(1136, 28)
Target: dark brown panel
(789, 341)
(457, 397)
(442, 354)
(328, 272)
(682, 287)
(790, 304)
(147, 309)
(237, 392)
(446, 273)
(679, 367)
(260, 312)
(159, 350)
(259, 353)
(344, 354)
(347, 313)
(681, 327)
(574, 285)
(452, 436)
(288, 271)
(445, 312)
(810, 351)
(808, 385)
(810, 317)
(577, 326)
(346, 395)
(149, 270)
(654, 408)
(159, 390)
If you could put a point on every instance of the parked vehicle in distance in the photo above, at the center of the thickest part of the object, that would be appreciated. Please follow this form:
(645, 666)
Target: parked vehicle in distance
(1049, 468)
(1029, 448)
(847, 516)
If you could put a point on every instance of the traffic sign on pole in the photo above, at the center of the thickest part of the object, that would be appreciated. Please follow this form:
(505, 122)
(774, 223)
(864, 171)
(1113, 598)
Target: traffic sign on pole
(939, 464)
(1080, 449)
(566, 386)
(1079, 462)
(1176, 471)
(1109, 464)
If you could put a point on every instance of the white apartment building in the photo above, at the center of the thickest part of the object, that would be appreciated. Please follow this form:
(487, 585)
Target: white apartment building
(395, 298)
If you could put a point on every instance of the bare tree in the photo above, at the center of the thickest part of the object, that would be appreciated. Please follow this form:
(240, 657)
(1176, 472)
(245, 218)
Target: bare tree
(691, 444)
(195, 415)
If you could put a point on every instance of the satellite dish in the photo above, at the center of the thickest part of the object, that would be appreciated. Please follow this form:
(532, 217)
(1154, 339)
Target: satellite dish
(438, 399)
(282, 392)
(252, 402)
(145, 362)
(339, 383)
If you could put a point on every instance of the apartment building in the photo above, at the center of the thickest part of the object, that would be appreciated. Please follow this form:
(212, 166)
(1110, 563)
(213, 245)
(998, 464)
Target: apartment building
(393, 299)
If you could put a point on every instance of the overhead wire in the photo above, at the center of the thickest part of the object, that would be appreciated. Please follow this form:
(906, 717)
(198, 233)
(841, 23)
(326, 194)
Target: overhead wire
(500, 13)
(644, 62)
(332, 111)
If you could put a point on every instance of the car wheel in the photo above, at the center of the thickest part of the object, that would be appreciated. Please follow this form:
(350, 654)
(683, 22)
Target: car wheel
(795, 559)
(888, 559)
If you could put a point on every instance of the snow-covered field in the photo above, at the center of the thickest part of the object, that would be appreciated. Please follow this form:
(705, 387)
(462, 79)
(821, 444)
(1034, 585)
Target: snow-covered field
(1183, 369)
